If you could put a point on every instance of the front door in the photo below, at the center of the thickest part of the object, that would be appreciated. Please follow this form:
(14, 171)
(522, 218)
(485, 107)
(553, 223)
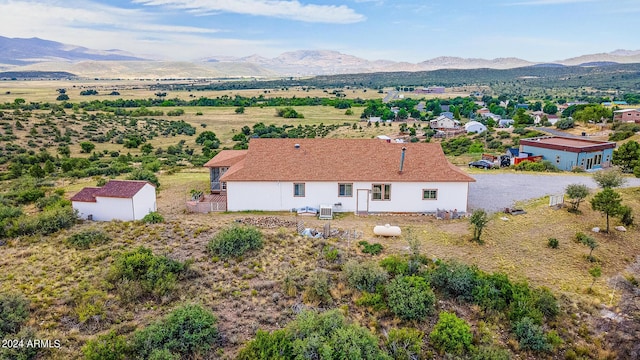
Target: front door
(362, 201)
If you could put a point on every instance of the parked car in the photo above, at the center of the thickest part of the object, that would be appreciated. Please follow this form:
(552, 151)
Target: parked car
(483, 164)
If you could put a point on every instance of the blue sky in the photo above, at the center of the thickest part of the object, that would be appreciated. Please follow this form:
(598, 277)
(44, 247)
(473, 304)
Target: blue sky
(399, 30)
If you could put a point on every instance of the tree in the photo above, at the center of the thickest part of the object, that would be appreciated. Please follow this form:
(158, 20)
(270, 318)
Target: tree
(451, 334)
(607, 202)
(146, 148)
(576, 193)
(240, 110)
(64, 150)
(590, 242)
(62, 97)
(87, 147)
(36, 171)
(142, 174)
(550, 108)
(522, 118)
(609, 178)
(593, 113)
(478, 220)
(627, 156)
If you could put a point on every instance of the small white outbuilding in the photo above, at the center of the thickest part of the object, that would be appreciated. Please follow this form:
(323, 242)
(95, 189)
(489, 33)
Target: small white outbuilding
(124, 200)
(475, 127)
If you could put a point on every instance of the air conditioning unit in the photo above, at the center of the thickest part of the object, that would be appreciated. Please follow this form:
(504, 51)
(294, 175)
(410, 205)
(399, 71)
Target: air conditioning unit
(326, 212)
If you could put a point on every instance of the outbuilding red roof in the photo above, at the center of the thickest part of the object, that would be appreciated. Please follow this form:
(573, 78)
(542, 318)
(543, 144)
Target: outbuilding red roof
(113, 189)
(343, 160)
(570, 144)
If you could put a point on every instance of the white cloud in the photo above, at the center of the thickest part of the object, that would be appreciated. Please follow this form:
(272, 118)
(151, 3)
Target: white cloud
(97, 26)
(285, 9)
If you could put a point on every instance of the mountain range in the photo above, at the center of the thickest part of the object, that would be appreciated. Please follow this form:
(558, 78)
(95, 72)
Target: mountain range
(34, 54)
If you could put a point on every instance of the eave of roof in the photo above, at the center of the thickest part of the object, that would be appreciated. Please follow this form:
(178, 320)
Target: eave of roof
(343, 160)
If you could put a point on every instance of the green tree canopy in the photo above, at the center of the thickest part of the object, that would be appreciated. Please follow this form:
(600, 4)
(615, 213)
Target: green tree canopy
(607, 202)
(627, 156)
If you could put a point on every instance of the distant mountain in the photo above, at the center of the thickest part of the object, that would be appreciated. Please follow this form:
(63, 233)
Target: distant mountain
(18, 51)
(43, 55)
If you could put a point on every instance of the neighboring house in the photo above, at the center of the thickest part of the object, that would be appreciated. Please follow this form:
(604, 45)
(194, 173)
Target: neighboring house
(124, 200)
(431, 90)
(447, 113)
(350, 175)
(505, 123)
(374, 119)
(484, 110)
(474, 127)
(627, 115)
(443, 122)
(567, 153)
(614, 103)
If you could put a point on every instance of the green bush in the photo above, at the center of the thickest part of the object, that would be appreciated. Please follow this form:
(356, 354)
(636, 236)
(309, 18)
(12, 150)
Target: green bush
(84, 239)
(25, 352)
(45, 223)
(565, 124)
(106, 347)
(410, 297)
(365, 276)
(329, 336)
(530, 335)
(373, 249)
(52, 201)
(626, 215)
(553, 243)
(188, 331)
(153, 275)
(268, 346)
(493, 291)
(404, 344)
(455, 279)
(490, 353)
(235, 241)
(451, 334)
(317, 289)
(372, 300)
(153, 217)
(14, 312)
(146, 175)
(395, 265)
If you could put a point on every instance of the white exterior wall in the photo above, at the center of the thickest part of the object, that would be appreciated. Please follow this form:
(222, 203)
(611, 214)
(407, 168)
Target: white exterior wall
(405, 196)
(125, 209)
(144, 202)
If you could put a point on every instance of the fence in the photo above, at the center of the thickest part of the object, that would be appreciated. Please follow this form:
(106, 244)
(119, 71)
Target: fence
(204, 207)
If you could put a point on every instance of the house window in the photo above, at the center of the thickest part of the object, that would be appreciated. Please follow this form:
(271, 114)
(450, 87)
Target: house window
(430, 194)
(597, 160)
(381, 192)
(298, 189)
(345, 190)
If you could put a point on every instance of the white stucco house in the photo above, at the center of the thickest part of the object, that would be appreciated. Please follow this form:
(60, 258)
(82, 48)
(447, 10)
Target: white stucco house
(475, 127)
(124, 200)
(444, 122)
(350, 175)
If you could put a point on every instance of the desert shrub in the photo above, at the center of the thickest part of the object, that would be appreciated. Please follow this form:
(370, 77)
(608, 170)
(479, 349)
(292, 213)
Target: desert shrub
(146, 175)
(626, 215)
(155, 275)
(553, 243)
(373, 249)
(395, 265)
(404, 343)
(90, 305)
(455, 279)
(23, 352)
(330, 253)
(620, 135)
(565, 124)
(187, 331)
(317, 289)
(372, 300)
(235, 241)
(329, 336)
(524, 304)
(364, 276)
(545, 302)
(410, 297)
(153, 217)
(84, 239)
(490, 353)
(52, 201)
(27, 196)
(493, 291)
(106, 347)
(530, 335)
(14, 312)
(451, 334)
(268, 346)
(45, 223)
(527, 165)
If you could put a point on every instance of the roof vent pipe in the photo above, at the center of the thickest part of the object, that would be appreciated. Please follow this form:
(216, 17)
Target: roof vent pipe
(297, 146)
(402, 158)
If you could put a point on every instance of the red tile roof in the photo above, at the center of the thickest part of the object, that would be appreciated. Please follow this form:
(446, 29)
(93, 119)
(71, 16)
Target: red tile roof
(226, 158)
(343, 160)
(114, 189)
(86, 195)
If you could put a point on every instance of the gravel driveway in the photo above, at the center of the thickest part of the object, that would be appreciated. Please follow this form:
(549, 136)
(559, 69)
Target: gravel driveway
(494, 192)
